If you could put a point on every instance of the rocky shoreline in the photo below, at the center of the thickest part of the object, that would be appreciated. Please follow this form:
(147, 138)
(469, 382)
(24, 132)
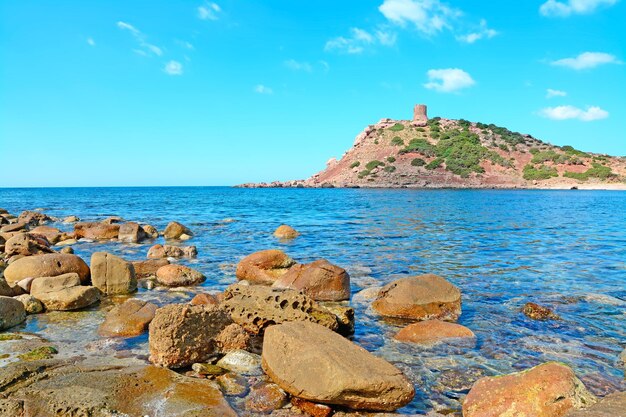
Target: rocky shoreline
(275, 342)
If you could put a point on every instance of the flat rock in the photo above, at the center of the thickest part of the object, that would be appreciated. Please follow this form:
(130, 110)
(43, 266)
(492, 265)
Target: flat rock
(178, 276)
(96, 230)
(112, 274)
(433, 331)
(26, 244)
(46, 265)
(311, 362)
(320, 280)
(264, 267)
(130, 318)
(148, 268)
(12, 312)
(64, 292)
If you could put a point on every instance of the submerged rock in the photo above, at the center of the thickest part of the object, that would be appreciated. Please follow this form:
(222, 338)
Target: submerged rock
(265, 398)
(311, 362)
(175, 230)
(178, 276)
(285, 232)
(264, 267)
(128, 319)
(311, 408)
(421, 297)
(432, 331)
(12, 312)
(169, 251)
(547, 390)
(241, 362)
(46, 265)
(537, 312)
(112, 274)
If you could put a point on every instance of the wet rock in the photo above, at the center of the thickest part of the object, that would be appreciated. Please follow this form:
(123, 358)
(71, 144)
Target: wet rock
(264, 267)
(205, 299)
(46, 265)
(178, 276)
(345, 318)
(285, 232)
(31, 304)
(112, 220)
(147, 269)
(112, 274)
(613, 405)
(421, 297)
(241, 362)
(131, 232)
(52, 234)
(233, 385)
(96, 231)
(67, 249)
(12, 312)
(43, 352)
(150, 231)
(537, 312)
(432, 331)
(207, 369)
(169, 251)
(233, 337)
(64, 292)
(547, 390)
(14, 227)
(257, 307)
(320, 280)
(174, 230)
(26, 244)
(181, 334)
(311, 362)
(71, 219)
(128, 319)
(33, 218)
(266, 398)
(311, 408)
(5, 289)
(52, 387)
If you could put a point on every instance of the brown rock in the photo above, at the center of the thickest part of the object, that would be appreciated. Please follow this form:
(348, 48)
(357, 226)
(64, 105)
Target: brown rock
(257, 307)
(12, 312)
(112, 220)
(178, 276)
(112, 274)
(204, 299)
(46, 265)
(266, 398)
(311, 362)
(150, 231)
(613, 405)
(71, 219)
(128, 319)
(547, 390)
(233, 384)
(432, 331)
(33, 218)
(96, 230)
(320, 280)
(147, 269)
(52, 234)
(264, 267)
(233, 337)
(167, 251)
(345, 318)
(131, 232)
(174, 230)
(537, 312)
(421, 297)
(286, 232)
(56, 283)
(26, 244)
(181, 334)
(31, 304)
(5, 289)
(311, 408)
(14, 227)
(64, 292)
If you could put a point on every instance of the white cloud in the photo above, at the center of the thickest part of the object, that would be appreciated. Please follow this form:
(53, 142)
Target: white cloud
(555, 8)
(570, 112)
(448, 80)
(587, 60)
(359, 39)
(210, 11)
(262, 89)
(173, 68)
(427, 16)
(386, 38)
(298, 66)
(141, 39)
(555, 93)
(483, 32)
(91, 42)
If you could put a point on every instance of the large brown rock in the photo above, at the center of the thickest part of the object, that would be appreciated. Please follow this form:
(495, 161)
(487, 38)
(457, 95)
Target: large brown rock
(169, 251)
(432, 331)
(33, 218)
(14, 227)
(256, 307)
(320, 280)
(46, 265)
(131, 232)
(422, 297)
(150, 231)
(12, 312)
(178, 276)
(96, 230)
(311, 362)
(182, 334)
(96, 389)
(175, 230)
(64, 292)
(52, 234)
(285, 231)
(613, 405)
(148, 268)
(547, 390)
(26, 244)
(112, 274)
(264, 267)
(128, 319)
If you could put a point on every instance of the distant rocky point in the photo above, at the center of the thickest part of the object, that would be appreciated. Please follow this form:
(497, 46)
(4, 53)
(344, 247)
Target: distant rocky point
(445, 153)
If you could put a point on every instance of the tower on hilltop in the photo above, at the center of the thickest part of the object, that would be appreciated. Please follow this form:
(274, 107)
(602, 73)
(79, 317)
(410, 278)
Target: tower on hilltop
(419, 114)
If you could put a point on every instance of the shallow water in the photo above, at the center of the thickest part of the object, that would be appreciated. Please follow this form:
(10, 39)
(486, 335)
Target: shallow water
(563, 249)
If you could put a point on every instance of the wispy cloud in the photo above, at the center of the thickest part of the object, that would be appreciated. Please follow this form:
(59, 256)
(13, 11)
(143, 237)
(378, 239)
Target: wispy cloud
(91, 42)
(262, 89)
(427, 16)
(209, 11)
(555, 8)
(298, 66)
(173, 68)
(587, 60)
(146, 47)
(448, 80)
(483, 32)
(555, 93)
(590, 114)
(185, 44)
(359, 39)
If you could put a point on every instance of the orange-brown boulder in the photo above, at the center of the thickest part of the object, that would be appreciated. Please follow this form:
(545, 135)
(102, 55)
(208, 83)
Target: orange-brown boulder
(26, 244)
(320, 280)
(46, 265)
(432, 331)
(178, 276)
(286, 232)
(131, 232)
(264, 267)
(96, 230)
(175, 230)
(170, 251)
(148, 268)
(128, 319)
(112, 274)
(206, 299)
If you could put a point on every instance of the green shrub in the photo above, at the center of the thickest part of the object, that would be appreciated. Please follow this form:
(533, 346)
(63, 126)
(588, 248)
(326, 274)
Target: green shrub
(571, 151)
(397, 127)
(364, 173)
(390, 168)
(391, 159)
(534, 151)
(418, 162)
(503, 147)
(540, 173)
(435, 163)
(420, 129)
(355, 164)
(373, 164)
(597, 171)
(549, 155)
(397, 141)
(421, 146)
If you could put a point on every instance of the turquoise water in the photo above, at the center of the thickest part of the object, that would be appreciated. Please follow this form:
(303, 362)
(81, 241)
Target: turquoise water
(562, 249)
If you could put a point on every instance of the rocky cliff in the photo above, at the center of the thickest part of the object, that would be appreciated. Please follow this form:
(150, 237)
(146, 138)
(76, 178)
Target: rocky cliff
(444, 153)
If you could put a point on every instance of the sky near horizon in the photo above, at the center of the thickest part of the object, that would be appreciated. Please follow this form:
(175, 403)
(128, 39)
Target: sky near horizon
(220, 93)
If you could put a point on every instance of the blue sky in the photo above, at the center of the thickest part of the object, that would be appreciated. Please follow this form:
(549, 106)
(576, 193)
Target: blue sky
(224, 92)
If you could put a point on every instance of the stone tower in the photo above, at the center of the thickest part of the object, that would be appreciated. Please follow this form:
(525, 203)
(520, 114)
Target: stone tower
(419, 114)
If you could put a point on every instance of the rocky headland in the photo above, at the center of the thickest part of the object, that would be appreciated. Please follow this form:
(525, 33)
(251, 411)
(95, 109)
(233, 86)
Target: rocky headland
(445, 153)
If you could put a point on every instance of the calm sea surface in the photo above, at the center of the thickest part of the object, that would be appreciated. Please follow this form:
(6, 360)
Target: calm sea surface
(562, 249)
